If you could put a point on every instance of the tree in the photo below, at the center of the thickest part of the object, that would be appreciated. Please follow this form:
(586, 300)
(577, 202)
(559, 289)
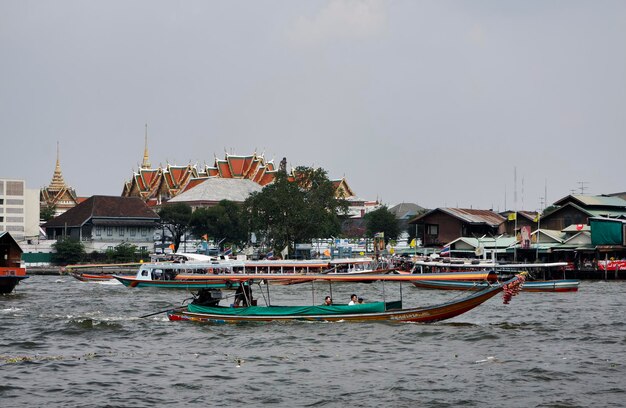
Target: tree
(67, 251)
(124, 252)
(223, 221)
(382, 220)
(47, 213)
(175, 217)
(286, 212)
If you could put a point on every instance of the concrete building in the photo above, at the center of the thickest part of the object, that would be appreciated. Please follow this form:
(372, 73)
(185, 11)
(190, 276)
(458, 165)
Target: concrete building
(19, 210)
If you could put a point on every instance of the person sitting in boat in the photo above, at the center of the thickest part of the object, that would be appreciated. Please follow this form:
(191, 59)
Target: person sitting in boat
(353, 300)
(360, 301)
(328, 301)
(243, 296)
(207, 297)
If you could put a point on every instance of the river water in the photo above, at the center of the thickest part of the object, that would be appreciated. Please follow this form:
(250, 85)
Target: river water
(69, 343)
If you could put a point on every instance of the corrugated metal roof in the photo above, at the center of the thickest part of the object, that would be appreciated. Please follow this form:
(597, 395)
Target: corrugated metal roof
(608, 214)
(472, 216)
(602, 201)
(577, 227)
(502, 242)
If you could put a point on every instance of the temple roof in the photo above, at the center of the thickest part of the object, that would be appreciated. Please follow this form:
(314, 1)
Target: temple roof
(57, 183)
(215, 189)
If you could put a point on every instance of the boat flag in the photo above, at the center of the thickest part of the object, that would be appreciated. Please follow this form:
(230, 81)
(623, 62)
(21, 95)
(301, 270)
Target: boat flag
(285, 252)
(413, 243)
(228, 251)
(270, 254)
(327, 252)
(445, 251)
(513, 216)
(205, 237)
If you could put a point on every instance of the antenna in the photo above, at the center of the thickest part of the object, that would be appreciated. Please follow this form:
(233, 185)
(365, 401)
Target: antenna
(545, 192)
(515, 187)
(582, 186)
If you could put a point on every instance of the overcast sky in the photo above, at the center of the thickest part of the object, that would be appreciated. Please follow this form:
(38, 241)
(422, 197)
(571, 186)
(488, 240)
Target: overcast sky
(439, 103)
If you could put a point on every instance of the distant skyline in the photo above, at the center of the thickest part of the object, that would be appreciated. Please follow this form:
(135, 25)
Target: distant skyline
(443, 104)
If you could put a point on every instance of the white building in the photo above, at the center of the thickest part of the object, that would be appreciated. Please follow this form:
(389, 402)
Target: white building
(19, 209)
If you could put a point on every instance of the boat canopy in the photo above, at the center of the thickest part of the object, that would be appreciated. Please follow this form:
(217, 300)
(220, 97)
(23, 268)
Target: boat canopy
(375, 307)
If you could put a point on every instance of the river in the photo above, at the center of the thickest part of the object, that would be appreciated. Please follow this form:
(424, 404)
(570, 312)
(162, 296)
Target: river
(66, 343)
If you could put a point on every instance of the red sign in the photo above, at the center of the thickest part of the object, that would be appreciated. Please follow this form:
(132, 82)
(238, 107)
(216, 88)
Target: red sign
(612, 265)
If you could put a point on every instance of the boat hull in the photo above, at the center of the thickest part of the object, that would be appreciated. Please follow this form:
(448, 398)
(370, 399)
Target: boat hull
(132, 282)
(10, 277)
(95, 277)
(566, 285)
(422, 315)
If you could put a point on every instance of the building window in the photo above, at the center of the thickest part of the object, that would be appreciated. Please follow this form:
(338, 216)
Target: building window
(15, 219)
(132, 231)
(144, 231)
(109, 231)
(14, 201)
(15, 211)
(15, 188)
(432, 229)
(1, 219)
(1, 189)
(122, 230)
(109, 248)
(15, 228)
(98, 231)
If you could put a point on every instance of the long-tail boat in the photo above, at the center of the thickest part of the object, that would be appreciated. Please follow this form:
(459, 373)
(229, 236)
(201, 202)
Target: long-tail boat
(371, 311)
(563, 285)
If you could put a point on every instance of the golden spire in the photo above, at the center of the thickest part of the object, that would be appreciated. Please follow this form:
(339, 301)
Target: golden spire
(57, 183)
(146, 161)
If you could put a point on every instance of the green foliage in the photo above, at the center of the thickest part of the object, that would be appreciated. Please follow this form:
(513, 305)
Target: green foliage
(67, 251)
(382, 220)
(47, 213)
(223, 221)
(176, 217)
(285, 211)
(549, 209)
(124, 252)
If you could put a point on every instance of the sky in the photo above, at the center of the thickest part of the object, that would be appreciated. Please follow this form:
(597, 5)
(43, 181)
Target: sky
(498, 105)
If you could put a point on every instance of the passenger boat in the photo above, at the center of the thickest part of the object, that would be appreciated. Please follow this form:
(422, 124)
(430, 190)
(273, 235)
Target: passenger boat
(10, 277)
(190, 274)
(376, 311)
(182, 275)
(358, 266)
(563, 285)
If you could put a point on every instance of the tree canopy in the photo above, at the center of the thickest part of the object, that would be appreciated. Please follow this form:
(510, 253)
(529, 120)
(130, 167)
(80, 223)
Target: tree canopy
(382, 220)
(175, 217)
(67, 251)
(285, 211)
(47, 213)
(223, 221)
